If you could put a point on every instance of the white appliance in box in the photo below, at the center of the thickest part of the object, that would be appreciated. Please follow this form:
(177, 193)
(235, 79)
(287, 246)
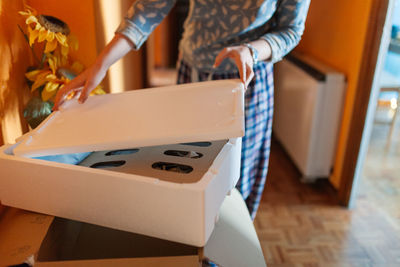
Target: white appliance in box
(143, 177)
(307, 113)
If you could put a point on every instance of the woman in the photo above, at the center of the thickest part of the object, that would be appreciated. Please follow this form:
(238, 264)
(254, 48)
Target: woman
(254, 34)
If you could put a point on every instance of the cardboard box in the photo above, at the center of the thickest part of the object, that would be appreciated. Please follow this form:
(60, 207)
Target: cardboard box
(62, 242)
(142, 196)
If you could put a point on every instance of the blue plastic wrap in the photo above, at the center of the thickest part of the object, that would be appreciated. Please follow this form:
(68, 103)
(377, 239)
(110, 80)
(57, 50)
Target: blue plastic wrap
(74, 158)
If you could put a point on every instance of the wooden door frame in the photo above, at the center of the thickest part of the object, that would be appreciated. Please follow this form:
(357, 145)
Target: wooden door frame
(372, 44)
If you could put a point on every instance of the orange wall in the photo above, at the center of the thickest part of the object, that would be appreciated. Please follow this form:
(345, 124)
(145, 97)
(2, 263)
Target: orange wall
(335, 34)
(14, 59)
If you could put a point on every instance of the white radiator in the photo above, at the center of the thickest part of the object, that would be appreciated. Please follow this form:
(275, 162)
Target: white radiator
(307, 113)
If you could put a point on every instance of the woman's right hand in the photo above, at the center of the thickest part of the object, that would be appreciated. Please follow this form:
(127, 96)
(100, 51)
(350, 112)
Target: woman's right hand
(88, 80)
(84, 83)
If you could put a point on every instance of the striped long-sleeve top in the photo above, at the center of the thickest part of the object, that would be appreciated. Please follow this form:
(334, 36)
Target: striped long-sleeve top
(212, 25)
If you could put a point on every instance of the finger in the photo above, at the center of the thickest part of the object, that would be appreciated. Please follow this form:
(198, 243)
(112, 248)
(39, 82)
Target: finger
(250, 75)
(73, 86)
(242, 68)
(62, 96)
(63, 93)
(243, 75)
(87, 89)
(78, 81)
(225, 53)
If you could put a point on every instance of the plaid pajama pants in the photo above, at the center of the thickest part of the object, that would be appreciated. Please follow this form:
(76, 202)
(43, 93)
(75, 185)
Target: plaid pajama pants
(259, 104)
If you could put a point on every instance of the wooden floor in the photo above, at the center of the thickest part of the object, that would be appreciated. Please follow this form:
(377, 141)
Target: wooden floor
(300, 225)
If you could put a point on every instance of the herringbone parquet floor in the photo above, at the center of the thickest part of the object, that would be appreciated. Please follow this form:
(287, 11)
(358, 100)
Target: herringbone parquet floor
(301, 225)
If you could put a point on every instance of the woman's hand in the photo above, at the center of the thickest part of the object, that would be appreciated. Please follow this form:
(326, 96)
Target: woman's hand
(244, 61)
(88, 80)
(84, 83)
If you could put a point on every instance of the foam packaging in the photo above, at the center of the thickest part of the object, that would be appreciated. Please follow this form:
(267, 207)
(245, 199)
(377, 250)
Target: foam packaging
(131, 182)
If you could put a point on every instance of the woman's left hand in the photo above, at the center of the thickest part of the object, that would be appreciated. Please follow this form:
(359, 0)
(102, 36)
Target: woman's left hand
(244, 61)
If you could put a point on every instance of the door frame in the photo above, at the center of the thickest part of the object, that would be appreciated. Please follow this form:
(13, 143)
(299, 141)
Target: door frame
(375, 48)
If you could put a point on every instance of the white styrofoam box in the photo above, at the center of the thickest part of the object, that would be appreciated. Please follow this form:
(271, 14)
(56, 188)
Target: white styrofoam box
(205, 111)
(135, 197)
(181, 212)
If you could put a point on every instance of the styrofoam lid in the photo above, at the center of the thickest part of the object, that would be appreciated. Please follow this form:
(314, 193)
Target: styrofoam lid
(193, 112)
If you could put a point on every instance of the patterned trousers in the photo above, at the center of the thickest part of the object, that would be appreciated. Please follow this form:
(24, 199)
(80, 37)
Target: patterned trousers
(256, 143)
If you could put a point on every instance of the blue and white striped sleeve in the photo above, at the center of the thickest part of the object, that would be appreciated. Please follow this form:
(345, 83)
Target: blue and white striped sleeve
(142, 18)
(290, 18)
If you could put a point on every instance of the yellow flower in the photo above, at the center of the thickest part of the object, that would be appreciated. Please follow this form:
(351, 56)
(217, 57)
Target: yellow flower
(29, 11)
(45, 77)
(51, 86)
(98, 91)
(72, 43)
(38, 77)
(47, 28)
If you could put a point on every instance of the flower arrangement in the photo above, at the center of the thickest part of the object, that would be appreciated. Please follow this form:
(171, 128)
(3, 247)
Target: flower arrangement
(54, 68)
